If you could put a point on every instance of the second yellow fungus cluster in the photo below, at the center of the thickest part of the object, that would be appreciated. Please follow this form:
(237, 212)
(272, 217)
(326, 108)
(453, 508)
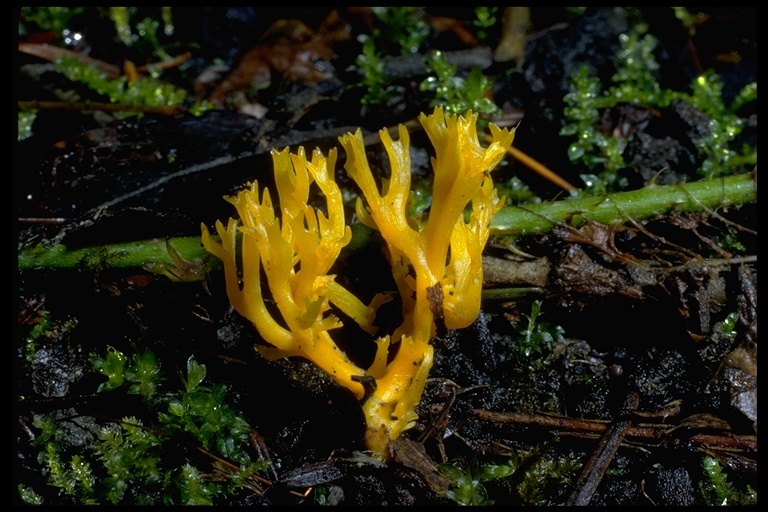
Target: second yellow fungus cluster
(436, 262)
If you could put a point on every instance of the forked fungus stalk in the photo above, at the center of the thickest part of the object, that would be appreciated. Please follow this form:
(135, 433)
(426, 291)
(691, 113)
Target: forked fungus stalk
(436, 262)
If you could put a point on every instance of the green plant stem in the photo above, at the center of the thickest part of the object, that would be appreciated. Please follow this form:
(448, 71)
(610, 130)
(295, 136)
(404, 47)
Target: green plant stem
(620, 207)
(614, 208)
(122, 255)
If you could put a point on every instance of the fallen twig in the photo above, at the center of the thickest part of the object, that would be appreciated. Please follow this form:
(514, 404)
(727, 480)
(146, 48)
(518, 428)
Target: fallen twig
(648, 432)
(609, 444)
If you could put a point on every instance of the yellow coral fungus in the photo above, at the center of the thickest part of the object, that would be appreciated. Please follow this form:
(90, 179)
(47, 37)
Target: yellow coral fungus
(436, 263)
(296, 252)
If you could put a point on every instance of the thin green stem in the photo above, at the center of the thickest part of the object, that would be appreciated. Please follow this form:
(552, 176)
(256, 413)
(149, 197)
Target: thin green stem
(162, 253)
(186, 259)
(620, 207)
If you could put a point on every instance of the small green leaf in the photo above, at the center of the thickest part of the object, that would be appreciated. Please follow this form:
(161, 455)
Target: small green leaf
(195, 373)
(113, 367)
(176, 408)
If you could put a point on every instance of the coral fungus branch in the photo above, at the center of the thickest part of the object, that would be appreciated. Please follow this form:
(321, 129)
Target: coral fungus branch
(437, 264)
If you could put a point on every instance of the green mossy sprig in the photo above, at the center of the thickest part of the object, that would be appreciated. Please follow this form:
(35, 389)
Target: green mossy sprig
(536, 336)
(548, 475)
(399, 31)
(402, 31)
(202, 412)
(485, 19)
(74, 476)
(717, 490)
(537, 477)
(149, 91)
(131, 457)
(377, 89)
(54, 19)
(146, 30)
(457, 94)
(467, 482)
(729, 324)
(142, 372)
(724, 126)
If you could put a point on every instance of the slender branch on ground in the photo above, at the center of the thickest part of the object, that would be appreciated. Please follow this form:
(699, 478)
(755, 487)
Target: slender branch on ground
(617, 208)
(620, 207)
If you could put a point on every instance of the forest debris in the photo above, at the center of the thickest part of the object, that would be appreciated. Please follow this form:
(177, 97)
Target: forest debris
(720, 436)
(601, 458)
(51, 53)
(578, 274)
(747, 301)
(740, 370)
(513, 270)
(309, 475)
(413, 455)
(517, 21)
(288, 49)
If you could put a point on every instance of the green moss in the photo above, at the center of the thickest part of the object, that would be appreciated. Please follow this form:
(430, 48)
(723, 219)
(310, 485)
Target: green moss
(50, 19)
(729, 324)
(28, 496)
(38, 331)
(537, 337)
(194, 490)
(485, 19)
(131, 458)
(26, 119)
(149, 91)
(717, 490)
(636, 82)
(124, 462)
(148, 28)
(142, 372)
(548, 477)
(539, 477)
(399, 30)
(467, 482)
(457, 94)
(47, 331)
(74, 476)
(375, 84)
(724, 126)
(146, 91)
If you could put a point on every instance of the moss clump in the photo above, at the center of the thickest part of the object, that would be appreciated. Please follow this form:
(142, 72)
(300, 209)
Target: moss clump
(636, 82)
(125, 462)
